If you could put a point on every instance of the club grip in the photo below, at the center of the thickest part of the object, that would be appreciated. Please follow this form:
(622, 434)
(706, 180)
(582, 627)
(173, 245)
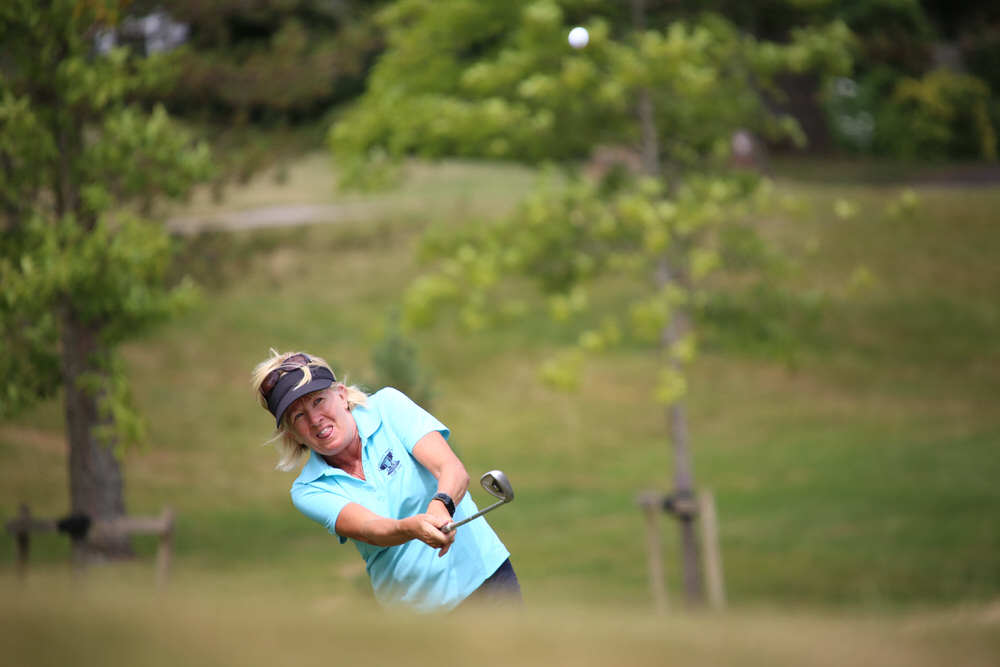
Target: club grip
(455, 524)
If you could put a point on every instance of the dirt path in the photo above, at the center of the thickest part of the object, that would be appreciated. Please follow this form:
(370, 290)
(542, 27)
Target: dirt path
(488, 202)
(282, 215)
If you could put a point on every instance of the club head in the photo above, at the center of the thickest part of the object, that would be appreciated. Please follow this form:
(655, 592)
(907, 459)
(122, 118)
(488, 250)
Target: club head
(497, 484)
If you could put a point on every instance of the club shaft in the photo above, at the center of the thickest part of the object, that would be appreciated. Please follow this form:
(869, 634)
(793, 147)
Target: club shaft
(452, 526)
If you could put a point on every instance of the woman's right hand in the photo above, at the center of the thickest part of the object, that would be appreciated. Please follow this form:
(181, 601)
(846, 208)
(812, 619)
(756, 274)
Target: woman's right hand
(427, 529)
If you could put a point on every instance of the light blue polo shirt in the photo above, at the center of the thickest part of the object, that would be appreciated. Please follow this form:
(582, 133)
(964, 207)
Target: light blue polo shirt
(397, 486)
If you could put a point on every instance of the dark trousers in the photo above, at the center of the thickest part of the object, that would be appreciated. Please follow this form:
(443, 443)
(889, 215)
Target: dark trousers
(501, 587)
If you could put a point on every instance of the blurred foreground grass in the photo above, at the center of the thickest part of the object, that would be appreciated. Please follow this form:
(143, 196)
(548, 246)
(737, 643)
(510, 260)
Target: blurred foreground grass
(118, 619)
(858, 473)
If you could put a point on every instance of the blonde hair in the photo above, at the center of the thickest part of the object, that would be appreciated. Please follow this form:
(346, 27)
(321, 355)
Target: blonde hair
(290, 450)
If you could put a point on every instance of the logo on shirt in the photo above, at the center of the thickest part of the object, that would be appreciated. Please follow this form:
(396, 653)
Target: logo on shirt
(388, 464)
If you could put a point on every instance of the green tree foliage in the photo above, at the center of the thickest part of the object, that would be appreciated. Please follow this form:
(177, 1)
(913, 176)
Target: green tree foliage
(921, 86)
(900, 44)
(268, 60)
(891, 32)
(941, 115)
(498, 80)
(974, 27)
(947, 115)
(396, 363)
(81, 264)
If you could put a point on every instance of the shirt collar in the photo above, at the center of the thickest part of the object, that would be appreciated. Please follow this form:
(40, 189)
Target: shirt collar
(367, 419)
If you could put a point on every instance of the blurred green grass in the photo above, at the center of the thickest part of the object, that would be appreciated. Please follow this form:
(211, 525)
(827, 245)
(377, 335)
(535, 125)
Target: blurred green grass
(859, 474)
(113, 618)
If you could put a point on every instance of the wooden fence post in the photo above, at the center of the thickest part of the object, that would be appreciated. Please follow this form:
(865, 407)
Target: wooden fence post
(23, 537)
(21, 528)
(651, 504)
(711, 550)
(684, 508)
(165, 550)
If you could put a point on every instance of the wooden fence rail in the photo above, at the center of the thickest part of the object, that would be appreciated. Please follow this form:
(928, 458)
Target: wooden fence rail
(24, 525)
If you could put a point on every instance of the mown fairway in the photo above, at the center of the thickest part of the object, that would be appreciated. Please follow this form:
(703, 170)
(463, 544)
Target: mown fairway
(855, 477)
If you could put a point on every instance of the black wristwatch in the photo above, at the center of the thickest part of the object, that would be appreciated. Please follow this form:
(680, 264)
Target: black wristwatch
(449, 504)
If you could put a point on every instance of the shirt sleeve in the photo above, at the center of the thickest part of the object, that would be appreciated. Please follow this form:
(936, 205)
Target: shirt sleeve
(408, 421)
(321, 505)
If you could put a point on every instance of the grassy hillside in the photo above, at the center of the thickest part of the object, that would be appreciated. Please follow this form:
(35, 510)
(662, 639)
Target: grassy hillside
(859, 472)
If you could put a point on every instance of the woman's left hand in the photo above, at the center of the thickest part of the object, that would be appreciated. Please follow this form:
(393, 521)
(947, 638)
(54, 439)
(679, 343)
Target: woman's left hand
(427, 529)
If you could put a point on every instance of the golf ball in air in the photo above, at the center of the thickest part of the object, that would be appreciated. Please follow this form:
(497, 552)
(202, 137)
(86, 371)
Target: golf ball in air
(578, 37)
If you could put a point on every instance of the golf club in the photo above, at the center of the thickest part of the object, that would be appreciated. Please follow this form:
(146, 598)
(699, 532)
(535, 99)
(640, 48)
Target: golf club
(498, 486)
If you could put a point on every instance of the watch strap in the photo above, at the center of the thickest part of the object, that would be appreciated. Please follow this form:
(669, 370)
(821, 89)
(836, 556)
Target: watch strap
(449, 504)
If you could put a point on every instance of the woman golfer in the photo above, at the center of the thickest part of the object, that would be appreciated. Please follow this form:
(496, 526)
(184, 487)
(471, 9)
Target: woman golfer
(381, 474)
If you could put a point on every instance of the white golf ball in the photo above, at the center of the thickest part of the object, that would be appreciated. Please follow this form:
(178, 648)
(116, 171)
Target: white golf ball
(578, 37)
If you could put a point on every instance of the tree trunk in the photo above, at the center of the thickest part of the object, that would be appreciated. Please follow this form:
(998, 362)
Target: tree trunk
(96, 486)
(650, 142)
(95, 478)
(684, 488)
(683, 475)
(650, 148)
(676, 412)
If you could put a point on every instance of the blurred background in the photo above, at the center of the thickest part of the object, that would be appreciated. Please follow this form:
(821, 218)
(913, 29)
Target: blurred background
(742, 252)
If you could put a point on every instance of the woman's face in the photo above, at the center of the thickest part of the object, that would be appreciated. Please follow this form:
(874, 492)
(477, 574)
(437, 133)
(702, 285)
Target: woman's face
(323, 422)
